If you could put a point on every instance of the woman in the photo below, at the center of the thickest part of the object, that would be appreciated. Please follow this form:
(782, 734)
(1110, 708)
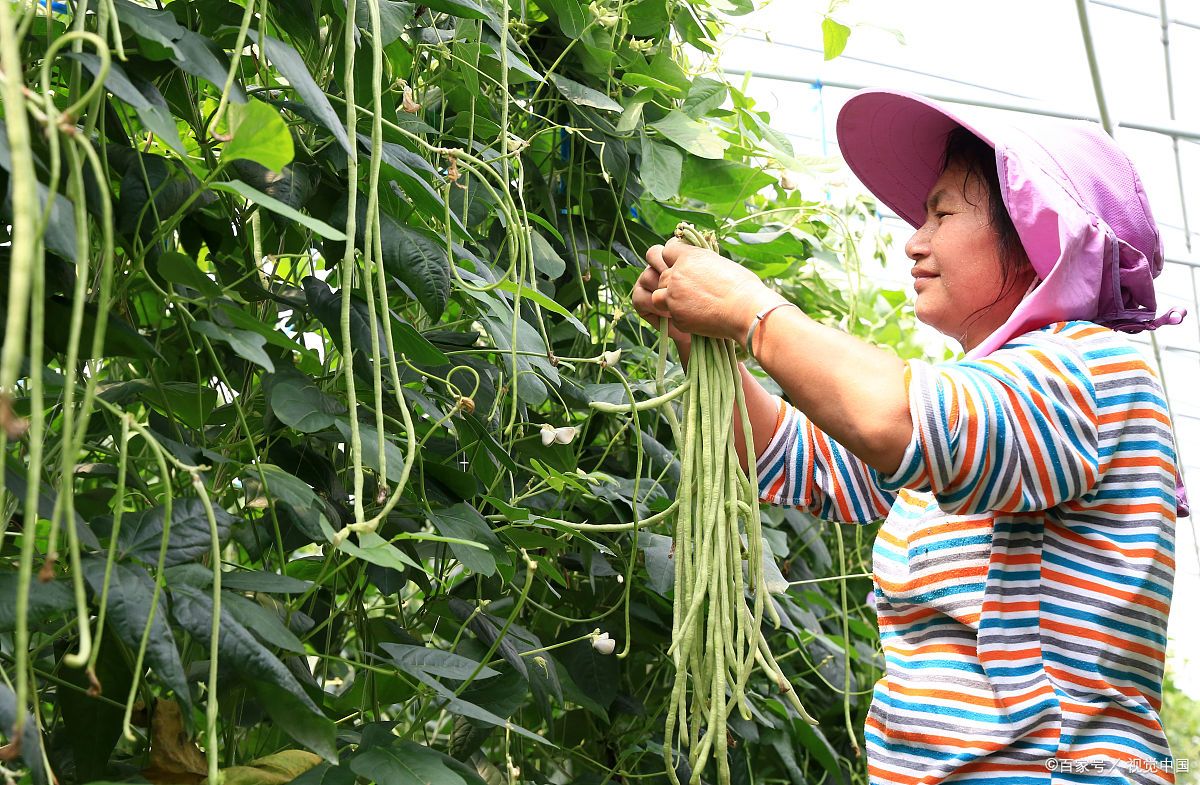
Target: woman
(1024, 570)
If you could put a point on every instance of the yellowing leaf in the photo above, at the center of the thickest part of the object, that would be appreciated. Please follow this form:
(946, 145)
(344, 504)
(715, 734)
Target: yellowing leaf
(258, 134)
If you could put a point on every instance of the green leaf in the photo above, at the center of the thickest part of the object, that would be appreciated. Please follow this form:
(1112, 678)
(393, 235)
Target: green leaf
(291, 65)
(376, 550)
(299, 403)
(529, 293)
(570, 16)
(144, 97)
(596, 674)
(662, 168)
(192, 609)
(264, 623)
(194, 53)
(30, 747)
(408, 763)
(704, 96)
(142, 531)
(180, 268)
(634, 79)
(545, 258)
(266, 582)
(369, 438)
(834, 36)
(695, 137)
(466, 9)
(413, 345)
(416, 258)
(464, 522)
(46, 600)
(274, 205)
(93, 726)
(315, 731)
(153, 189)
(130, 595)
(259, 135)
(247, 345)
(721, 182)
(584, 95)
(435, 662)
(660, 565)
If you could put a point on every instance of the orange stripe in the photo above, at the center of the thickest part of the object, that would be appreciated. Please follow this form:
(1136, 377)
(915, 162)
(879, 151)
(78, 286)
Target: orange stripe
(1091, 634)
(1134, 414)
(1138, 365)
(1112, 547)
(1108, 591)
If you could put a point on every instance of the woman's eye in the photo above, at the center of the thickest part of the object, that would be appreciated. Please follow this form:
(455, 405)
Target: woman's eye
(942, 214)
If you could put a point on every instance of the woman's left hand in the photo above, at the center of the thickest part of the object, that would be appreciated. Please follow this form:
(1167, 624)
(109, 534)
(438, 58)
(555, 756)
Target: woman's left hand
(704, 293)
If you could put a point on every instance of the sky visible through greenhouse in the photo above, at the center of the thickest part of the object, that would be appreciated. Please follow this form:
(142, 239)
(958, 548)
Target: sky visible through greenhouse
(1027, 53)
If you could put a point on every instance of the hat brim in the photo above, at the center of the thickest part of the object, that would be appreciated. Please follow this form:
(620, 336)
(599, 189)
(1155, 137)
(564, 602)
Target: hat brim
(894, 142)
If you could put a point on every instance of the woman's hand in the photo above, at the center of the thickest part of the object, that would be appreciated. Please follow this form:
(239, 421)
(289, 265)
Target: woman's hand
(643, 291)
(701, 292)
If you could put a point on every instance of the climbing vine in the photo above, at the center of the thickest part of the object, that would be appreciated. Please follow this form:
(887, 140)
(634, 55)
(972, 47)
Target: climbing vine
(327, 447)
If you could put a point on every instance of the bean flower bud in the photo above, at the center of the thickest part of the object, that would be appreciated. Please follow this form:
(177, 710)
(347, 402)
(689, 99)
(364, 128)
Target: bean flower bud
(609, 358)
(603, 643)
(552, 435)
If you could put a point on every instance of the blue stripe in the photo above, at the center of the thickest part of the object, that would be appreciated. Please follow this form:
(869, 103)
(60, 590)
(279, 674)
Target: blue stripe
(1136, 583)
(989, 718)
(1146, 540)
(1131, 397)
(1111, 624)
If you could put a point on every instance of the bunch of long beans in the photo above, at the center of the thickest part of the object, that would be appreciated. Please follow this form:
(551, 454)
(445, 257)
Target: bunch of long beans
(720, 584)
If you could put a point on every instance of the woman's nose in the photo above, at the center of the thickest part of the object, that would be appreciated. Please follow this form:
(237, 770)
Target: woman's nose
(917, 246)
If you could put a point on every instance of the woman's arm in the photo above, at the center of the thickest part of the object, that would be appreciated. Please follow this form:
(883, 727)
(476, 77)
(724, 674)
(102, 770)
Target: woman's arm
(848, 388)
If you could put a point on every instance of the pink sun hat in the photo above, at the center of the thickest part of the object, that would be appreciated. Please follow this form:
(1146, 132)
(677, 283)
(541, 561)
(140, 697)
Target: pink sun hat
(1074, 197)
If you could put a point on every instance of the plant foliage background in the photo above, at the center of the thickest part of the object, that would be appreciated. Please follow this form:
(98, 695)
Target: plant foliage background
(304, 305)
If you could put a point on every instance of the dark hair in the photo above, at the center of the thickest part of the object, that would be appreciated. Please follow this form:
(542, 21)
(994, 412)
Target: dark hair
(978, 158)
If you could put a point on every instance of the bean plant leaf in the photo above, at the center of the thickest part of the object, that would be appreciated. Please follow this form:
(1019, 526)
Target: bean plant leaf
(130, 599)
(692, 135)
(179, 268)
(143, 96)
(192, 609)
(194, 53)
(435, 662)
(47, 599)
(462, 521)
(30, 746)
(274, 205)
(419, 261)
(279, 768)
(545, 258)
(662, 168)
(258, 134)
(298, 402)
(312, 729)
(584, 95)
(570, 15)
(264, 623)
(834, 37)
(189, 538)
(703, 96)
(291, 65)
(247, 345)
(408, 763)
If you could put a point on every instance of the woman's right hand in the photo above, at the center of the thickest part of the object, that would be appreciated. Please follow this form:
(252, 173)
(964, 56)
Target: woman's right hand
(646, 284)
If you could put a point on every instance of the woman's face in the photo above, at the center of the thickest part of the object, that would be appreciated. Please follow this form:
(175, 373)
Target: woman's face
(956, 262)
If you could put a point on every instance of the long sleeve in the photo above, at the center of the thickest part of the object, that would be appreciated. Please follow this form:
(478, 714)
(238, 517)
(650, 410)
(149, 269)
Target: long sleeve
(803, 467)
(1014, 432)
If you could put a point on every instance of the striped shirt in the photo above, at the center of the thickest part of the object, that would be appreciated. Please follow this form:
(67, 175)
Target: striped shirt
(1024, 571)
